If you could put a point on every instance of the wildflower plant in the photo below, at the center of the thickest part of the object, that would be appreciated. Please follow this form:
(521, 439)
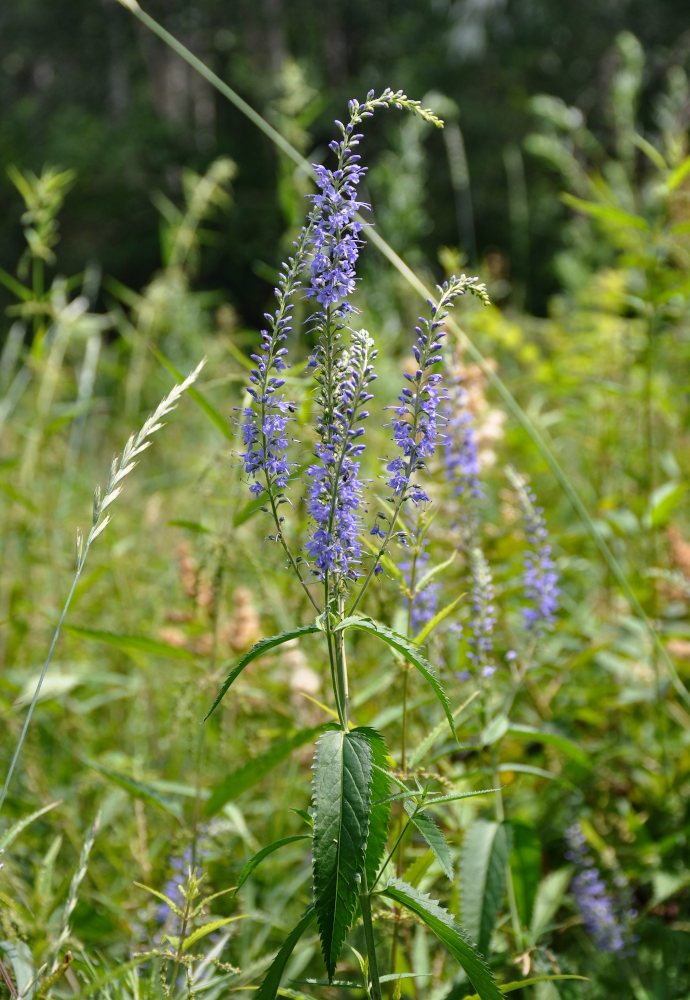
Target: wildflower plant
(346, 542)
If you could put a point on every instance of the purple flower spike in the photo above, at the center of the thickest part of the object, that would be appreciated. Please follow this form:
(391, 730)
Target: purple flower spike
(417, 419)
(334, 499)
(604, 916)
(540, 575)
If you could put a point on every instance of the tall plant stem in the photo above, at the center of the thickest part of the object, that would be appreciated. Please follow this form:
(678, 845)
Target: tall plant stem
(415, 282)
(510, 888)
(365, 903)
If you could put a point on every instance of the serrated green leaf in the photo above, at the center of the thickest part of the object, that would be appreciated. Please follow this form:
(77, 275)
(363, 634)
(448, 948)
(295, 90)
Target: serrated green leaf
(409, 650)
(264, 853)
(174, 908)
(258, 649)
(449, 933)
(341, 800)
(525, 867)
(13, 832)
(433, 836)
(482, 878)
(140, 790)
(379, 814)
(271, 982)
(256, 768)
(126, 641)
(208, 928)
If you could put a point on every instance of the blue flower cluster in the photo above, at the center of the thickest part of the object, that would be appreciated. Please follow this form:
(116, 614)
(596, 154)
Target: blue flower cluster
(606, 918)
(416, 424)
(540, 575)
(264, 431)
(327, 251)
(335, 494)
(334, 244)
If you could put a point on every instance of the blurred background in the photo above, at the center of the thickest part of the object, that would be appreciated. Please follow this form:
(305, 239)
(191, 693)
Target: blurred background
(91, 90)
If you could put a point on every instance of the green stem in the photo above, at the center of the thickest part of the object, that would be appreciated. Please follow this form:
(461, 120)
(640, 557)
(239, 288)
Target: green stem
(365, 903)
(510, 887)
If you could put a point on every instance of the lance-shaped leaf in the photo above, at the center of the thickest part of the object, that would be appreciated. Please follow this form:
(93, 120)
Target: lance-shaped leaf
(380, 803)
(432, 835)
(409, 650)
(341, 800)
(482, 878)
(257, 650)
(525, 866)
(264, 853)
(269, 987)
(449, 933)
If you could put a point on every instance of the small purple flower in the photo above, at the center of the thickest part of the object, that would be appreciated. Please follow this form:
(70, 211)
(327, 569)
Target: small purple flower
(334, 498)
(264, 431)
(540, 575)
(604, 916)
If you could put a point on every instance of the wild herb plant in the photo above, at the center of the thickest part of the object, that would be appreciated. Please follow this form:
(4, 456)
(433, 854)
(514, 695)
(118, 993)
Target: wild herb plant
(354, 528)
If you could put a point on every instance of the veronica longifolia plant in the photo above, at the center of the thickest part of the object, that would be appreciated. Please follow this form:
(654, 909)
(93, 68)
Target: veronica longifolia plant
(351, 782)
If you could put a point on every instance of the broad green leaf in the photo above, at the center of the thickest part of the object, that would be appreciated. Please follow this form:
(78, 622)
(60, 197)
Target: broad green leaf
(525, 867)
(433, 837)
(494, 730)
(139, 643)
(140, 790)
(258, 649)
(341, 800)
(448, 931)
(264, 853)
(662, 503)
(482, 878)
(256, 768)
(380, 805)
(271, 983)
(553, 739)
(13, 832)
(18, 954)
(550, 894)
(409, 650)
(424, 633)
